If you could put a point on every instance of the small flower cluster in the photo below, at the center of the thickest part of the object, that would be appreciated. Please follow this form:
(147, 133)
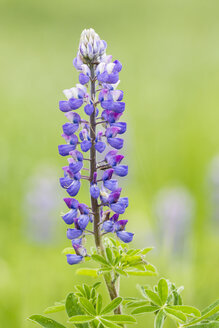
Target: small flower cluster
(97, 133)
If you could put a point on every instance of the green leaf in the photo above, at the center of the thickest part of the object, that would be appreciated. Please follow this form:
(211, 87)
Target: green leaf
(45, 322)
(121, 272)
(146, 250)
(175, 314)
(73, 308)
(100, 259)
(159, 319)
(141, 273)
(187, 309)
(144, 309)
(87, 290)
(119, 318)
(81, 318)
(112, 305)
(210, 307)
(136, 304)
(163, 290)
(211, 324)
(109, 255)
(109, 324)
(87, 306)
(87, 272)
(81, 290)
(96, 284)
(99, 304)
(55, 308)
(68, 250)
(213, 310)
(153, 297)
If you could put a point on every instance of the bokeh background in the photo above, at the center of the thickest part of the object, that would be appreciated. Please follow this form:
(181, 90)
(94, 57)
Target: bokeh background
(170, 55)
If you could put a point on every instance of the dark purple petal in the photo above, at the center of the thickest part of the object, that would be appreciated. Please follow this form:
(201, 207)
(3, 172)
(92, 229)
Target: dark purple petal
(69, 217)
(76, 241)
(65, 149)
(121, 125)
(114, 217)
(118, 106)
(86, 145)
(118, 208)
(100, 146)
(69, 128)
(75, 103)
(111, 184)
(83, 79)
(114, 196)
(107, 174)
(71, 202)
(89, 108)
(65, 182)
(74, 259)
(121, 170)
(120, 225)
(73, 233)
(64, 106)
(112, 78)
(125, 236)
(95, 191)
(116, 142)
(108, 226)
(74, 188)
(75, 167)
(83, 221)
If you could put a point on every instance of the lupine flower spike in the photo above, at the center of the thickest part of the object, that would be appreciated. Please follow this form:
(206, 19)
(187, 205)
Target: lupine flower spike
(94, 128)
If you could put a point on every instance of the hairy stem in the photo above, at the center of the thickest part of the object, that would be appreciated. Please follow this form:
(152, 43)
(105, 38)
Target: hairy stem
(94, 204)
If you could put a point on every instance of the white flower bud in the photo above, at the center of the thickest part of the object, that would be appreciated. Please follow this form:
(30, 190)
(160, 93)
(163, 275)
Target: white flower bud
(91, 48)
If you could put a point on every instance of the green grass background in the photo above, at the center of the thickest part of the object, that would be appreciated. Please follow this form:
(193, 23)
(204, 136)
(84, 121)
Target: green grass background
(170, 55)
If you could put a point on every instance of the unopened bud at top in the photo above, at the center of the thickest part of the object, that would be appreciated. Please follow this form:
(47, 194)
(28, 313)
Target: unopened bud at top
(91, 48)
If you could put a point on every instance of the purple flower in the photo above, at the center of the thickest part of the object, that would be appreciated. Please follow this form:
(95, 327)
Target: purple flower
(125, 236)
(64, 150)
(83, 79)
(92, 133)
(74, 233)
(74, 259)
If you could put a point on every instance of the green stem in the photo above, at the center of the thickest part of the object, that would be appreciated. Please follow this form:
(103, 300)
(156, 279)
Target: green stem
(113, 292)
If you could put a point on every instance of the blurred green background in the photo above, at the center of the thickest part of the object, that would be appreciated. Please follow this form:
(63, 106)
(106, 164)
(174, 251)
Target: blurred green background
(170, 55)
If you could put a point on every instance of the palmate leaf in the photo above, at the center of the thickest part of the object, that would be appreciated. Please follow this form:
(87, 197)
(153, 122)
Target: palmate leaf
(87, 306)
(175, 314)
(136, 304)
(112, 305)
(159, 319)
(109, 324)
(119, 318)
(163, 290)
(99, 304)
(145, 309)
(54, 308)
(45, 322)
(100, 259)
(213, 309)
(81, 318)
(186, 309)
(73, 308)
(211, 324)
(210, 307)
(153, 297)
(140, 273)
